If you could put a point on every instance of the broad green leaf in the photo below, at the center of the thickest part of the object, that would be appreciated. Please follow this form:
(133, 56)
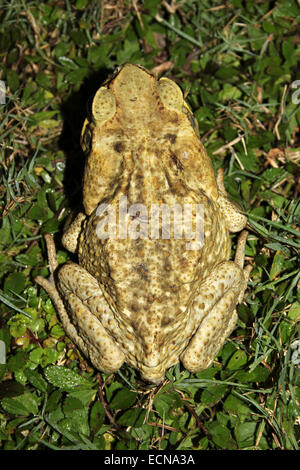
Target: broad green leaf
(43, 356)
(166, 401)
(221, 435)
(17, 361)
(245, 434)
(229, 92)
(23, 405)
(97, 416)
(122, 399)
(68, 63)
(12, 80)
(77, 75)
(84, 395)
(213, 393)
(43, 80)
(237, 407)
(78, 414)
(259, 374)
(65, 378)
(14, 282)
(134, 417)
(237, 360)
(294, 311)
(278, 264)
(49, 123)
(36, 379)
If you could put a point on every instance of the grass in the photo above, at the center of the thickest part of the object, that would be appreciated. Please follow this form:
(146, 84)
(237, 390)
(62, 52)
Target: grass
(236, 63)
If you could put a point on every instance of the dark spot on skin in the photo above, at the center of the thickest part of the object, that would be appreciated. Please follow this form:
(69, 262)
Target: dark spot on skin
(139, 177)
(174, 119)
(143, 271)
(135, 325)
(177, 162)
(171, 137)
(119, 147)
(165, 321)
(134, 308)
(127, 188)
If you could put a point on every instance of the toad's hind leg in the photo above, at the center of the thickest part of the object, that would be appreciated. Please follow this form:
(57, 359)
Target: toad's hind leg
(81, 319)
(214, 309)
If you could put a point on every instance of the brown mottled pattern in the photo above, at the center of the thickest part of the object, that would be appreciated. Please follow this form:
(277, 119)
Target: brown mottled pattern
(149, 301)
(152, 280)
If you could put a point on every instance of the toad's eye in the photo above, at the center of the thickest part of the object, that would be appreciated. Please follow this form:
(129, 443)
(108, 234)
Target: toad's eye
(86, 140)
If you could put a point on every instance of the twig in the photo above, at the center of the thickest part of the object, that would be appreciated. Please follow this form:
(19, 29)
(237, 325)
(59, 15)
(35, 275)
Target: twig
(103, 402)
(196, 417)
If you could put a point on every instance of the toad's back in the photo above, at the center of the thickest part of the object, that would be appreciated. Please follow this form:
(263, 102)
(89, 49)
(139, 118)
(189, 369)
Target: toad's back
(146, 153)
(149, 281)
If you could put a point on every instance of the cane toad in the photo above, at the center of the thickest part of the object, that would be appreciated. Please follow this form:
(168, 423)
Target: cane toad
(147, 289)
